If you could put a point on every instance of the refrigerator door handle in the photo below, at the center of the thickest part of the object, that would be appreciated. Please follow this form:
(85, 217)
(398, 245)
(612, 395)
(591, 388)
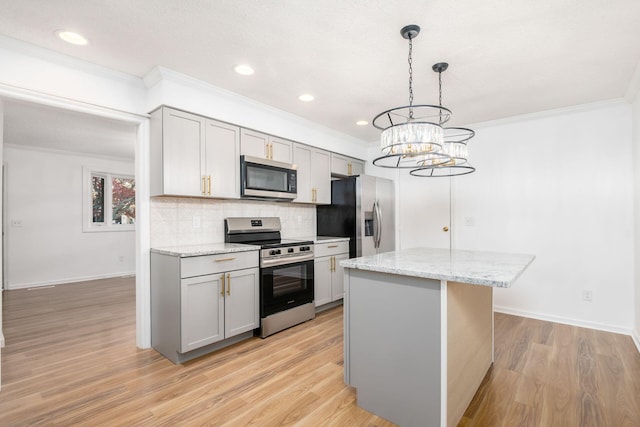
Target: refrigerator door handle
(377, 224)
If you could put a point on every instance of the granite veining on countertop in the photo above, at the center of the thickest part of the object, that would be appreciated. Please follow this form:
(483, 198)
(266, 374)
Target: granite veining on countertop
(473, 267)
(184, 251)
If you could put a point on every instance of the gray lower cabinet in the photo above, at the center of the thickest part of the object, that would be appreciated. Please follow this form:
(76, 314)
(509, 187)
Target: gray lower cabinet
(200, 304)
(328, 274)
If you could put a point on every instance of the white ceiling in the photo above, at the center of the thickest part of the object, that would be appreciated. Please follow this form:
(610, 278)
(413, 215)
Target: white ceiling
(506, 57)
(53, 128)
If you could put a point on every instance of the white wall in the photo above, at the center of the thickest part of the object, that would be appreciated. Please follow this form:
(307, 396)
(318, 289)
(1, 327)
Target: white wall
(44, 193)
(560, 186)
(636, 158)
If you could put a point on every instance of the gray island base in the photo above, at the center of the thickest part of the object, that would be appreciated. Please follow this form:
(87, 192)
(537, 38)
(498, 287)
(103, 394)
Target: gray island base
(419, 330)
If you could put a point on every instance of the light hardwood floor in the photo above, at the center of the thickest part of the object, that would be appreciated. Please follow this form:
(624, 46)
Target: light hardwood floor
(70, 359)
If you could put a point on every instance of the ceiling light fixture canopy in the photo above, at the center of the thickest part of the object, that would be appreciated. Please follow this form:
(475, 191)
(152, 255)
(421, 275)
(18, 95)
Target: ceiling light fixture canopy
(413, 136)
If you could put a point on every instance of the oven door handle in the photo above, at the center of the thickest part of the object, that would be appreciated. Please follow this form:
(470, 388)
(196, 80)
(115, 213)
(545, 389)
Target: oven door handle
(286, 261)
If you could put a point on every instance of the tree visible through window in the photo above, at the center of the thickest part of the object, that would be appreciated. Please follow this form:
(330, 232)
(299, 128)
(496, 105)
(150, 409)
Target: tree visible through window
(113, 201)
(123, 191)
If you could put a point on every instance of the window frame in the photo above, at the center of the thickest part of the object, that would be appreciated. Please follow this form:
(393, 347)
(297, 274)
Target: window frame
(88, 226)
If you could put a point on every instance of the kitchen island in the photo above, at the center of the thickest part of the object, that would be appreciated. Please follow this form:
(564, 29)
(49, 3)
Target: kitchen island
(419, 330)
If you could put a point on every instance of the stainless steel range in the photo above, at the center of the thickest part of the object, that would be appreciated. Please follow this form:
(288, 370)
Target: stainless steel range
(286, 272)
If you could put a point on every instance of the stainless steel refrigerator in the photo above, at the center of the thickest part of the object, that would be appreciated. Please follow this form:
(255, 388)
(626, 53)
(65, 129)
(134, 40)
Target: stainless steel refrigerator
(363, 209)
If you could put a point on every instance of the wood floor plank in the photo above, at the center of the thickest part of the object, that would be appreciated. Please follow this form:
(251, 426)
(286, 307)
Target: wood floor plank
(70, 359)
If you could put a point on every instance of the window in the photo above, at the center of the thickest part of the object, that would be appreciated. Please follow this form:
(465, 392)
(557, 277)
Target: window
(109, 201)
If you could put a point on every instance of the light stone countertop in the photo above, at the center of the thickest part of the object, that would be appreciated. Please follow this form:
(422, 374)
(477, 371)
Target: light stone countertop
(184, 251)
(473, 267)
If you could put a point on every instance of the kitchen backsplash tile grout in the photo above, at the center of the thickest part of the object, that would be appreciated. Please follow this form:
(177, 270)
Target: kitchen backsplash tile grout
(172, 219)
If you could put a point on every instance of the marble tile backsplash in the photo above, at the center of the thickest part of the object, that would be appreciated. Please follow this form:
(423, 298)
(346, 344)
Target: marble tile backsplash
(184, 221)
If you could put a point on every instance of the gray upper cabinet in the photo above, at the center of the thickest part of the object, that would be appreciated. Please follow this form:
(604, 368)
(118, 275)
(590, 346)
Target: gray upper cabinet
(193, 155)
(314, 175)
(265, 146)
(342, 166)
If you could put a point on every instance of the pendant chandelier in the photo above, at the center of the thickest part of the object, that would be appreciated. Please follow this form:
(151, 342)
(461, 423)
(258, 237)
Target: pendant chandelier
(413, 136)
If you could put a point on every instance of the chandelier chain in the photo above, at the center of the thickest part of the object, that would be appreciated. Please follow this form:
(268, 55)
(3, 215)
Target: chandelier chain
(410, 60)
(440, 93)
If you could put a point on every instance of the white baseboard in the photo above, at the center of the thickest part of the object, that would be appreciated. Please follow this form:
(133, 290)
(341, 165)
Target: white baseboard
(69, 280)
(636, 339)
(567, 321)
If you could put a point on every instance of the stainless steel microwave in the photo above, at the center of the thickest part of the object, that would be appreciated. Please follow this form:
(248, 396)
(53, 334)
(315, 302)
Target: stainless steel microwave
(267, 179)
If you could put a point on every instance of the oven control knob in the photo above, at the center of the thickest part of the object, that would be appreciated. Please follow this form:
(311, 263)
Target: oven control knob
(290, 250)
(272, 252)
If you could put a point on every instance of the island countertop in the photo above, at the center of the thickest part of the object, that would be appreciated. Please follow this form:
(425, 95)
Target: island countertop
(473, 267)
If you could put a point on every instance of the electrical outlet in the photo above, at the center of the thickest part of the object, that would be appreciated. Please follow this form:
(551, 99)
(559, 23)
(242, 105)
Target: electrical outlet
(196, 221)
(121, 258)
(470, 221)
(587, 296)
(16, 223)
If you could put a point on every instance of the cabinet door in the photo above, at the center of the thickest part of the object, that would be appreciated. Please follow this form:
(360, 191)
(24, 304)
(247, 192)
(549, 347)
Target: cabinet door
(357, 167)
(302, 158)
(254, 143)
(281, 149)
(321, 176)
(322, 280)
(182, 139)
(337, 279)
(242, 299)
(339, 165)
(221, 159)
(201, 311)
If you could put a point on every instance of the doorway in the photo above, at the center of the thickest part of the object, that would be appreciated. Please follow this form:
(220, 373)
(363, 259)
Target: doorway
(138, 129)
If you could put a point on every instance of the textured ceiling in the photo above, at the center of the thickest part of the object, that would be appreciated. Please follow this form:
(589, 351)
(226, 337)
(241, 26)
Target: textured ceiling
(506, 57)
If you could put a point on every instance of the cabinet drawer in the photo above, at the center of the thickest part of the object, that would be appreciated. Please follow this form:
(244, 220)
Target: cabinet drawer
(325, 249)
(211, 264)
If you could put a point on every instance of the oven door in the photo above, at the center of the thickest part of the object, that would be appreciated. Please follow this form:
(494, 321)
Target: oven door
(285, 286)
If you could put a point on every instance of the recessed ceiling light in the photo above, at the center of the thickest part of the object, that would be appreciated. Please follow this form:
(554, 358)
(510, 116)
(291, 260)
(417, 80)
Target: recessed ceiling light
(362, 122)
(305, 97)
(71, 37)
(243, 69)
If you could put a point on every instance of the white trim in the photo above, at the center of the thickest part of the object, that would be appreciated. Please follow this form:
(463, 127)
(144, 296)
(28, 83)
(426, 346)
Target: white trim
(57, 58)
(159, 74)
(549, 113)
(71, 280)
(88, 226)
(564, 320)
(143, 287)
(634, 85)
(635, 336)
(68, 152)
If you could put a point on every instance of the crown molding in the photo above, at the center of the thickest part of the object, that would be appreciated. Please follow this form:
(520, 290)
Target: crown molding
(634, 85)
(159, 73)
(38, 52)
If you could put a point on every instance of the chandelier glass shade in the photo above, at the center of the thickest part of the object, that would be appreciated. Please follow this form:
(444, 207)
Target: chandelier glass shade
(413, 136)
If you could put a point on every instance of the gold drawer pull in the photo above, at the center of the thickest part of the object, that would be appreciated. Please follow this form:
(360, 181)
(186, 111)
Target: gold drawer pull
(224, 259)
(332, 246)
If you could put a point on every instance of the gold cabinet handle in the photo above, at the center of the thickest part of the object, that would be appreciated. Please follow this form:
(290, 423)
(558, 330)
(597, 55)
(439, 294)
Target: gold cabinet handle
(209, 184)
(333, 263)
(224, 259)
(229, 284)
(445, 229)
(222, 287)
(204, 185)
(349, 169)
(271, 151)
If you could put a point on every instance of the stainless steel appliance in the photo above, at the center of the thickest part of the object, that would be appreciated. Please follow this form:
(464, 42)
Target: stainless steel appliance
(363, 209)
(286, 272)
(267, 179)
